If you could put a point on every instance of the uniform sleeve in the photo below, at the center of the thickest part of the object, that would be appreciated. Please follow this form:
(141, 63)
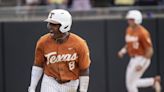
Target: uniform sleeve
(146, 40)
(39, 54)
(84, 56)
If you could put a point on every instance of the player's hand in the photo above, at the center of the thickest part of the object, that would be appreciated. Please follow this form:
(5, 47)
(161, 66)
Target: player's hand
(120, 54)
(138, 68)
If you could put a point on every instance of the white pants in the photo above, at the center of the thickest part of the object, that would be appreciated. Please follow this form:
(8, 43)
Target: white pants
(133, 77)
(49, 84)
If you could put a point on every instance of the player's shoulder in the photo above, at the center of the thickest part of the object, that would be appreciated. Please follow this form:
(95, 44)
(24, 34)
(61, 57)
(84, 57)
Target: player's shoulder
(77, 38)
(143, 30)
(43, 38)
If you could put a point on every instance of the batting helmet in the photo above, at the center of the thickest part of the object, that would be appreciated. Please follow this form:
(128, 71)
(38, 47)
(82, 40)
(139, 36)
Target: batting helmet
(60, 16)
(136, 15)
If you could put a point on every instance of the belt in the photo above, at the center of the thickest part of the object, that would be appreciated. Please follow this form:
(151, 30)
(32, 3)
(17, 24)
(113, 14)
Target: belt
(61, 81)
(133, 56)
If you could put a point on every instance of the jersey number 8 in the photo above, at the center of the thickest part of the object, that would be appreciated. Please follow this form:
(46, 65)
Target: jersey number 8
(71, 65)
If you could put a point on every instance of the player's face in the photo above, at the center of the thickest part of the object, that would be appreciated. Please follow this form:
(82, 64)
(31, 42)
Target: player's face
(54, 30)
(131, 22)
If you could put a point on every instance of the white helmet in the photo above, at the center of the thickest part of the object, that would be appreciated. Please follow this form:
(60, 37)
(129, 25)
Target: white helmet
(62, 17)
(136, 15)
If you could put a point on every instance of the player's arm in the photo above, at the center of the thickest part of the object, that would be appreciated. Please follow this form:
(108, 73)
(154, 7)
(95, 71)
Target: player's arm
(149, 52)
(37, 69)
(122, 51)
(148, 55)
(84, 80)
(147, 44)
(36, 74)
(84, 64)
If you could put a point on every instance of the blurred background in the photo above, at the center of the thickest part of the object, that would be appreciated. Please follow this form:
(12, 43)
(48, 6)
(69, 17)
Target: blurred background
(101, 22)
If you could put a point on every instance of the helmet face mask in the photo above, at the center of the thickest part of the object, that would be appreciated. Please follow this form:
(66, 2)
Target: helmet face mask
(60, 16)
(136, 15)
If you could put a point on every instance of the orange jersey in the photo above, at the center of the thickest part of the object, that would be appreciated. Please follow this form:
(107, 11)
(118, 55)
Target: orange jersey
(137, 40)
(62, 61)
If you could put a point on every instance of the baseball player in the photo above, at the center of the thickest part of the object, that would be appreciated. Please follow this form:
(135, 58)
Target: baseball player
(139, 48)
(62, 56)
